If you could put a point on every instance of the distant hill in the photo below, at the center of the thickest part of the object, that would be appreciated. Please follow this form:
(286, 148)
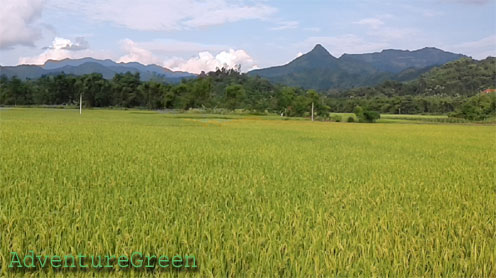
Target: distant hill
(395, 61)
(318, 69)
(107, 68)
(465, 77)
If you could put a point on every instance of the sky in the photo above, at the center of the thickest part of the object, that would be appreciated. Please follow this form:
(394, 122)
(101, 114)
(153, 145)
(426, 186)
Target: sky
(200, 35)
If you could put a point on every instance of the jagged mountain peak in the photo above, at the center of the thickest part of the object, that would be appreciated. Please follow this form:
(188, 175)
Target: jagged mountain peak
(319, 50)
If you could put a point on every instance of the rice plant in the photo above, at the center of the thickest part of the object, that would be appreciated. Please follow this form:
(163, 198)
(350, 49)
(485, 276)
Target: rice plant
(248, 196)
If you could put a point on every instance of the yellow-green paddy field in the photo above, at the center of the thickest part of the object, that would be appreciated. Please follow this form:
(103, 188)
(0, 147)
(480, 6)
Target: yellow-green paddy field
(248, 196)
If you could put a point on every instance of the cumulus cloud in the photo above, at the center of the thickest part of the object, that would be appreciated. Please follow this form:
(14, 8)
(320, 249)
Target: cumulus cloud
(159, 15)
(152, 52)
(62, 48)
(135, 53)
(17, 22)
(79, 43)
(206, 61)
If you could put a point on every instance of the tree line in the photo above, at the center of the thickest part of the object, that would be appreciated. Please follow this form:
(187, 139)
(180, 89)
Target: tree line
(229, 89)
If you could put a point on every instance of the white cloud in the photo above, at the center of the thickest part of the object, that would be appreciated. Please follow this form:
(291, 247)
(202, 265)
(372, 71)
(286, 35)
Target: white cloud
(135, 53)
(79, 43)
(152, 52)
(62, 48)
(285, 25)
(159, 15)
(17, 22)
(206, 61)
(370, 22)
(479, 49)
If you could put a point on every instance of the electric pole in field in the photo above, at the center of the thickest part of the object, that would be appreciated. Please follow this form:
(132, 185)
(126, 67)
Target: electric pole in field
(312, 111)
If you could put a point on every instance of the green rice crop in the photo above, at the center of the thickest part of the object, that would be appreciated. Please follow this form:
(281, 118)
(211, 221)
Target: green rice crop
(249, 197)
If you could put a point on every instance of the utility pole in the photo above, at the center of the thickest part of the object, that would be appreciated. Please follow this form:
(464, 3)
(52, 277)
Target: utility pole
(80, 104)
(312, 111)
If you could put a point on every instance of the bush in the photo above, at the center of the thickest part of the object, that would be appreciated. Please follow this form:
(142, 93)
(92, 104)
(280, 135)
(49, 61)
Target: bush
(366, 116)
(371, 116)
(336, 118)
(351, 119)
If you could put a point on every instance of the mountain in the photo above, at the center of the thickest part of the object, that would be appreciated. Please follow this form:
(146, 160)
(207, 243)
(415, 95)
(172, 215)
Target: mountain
(464, 77)
(395, 61)
(107, 68)
(318, 69)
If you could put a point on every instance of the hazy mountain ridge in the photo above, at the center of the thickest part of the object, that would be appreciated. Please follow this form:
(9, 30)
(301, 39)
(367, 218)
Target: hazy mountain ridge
(107, 68)
(395, 61)
(318, 69)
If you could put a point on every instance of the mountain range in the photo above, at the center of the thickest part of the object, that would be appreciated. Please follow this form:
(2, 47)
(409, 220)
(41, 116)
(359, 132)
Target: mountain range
(317, 69)
(107, 68)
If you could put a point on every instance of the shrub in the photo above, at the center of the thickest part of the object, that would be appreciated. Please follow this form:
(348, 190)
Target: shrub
(371, 116)
(351, 119)
(366, 116)
(336, 118)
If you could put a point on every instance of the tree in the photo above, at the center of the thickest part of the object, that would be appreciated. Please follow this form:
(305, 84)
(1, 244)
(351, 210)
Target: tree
(235, 95)
(358, 111)
(125, 89)
(366, 116)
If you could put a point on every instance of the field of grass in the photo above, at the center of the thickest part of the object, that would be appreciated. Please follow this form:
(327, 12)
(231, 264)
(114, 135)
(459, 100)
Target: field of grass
(249, 197)
(405, 118)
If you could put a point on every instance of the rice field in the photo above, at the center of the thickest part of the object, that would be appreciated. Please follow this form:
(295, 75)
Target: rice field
(248, 196)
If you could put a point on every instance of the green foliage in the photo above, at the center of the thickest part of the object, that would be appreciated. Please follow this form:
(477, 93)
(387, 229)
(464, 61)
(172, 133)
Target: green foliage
(370, 116)
(234, 97)
(351, 119)
(464, 77)
(336, 118)
(477, 108)
(366, 116)
(358, 112)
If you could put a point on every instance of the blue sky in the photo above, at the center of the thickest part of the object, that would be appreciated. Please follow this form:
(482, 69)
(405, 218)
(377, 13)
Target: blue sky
(195, 35)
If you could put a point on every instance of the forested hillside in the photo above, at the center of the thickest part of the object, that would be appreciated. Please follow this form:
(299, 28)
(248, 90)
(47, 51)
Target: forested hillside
(465, 77)
(319, 70)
